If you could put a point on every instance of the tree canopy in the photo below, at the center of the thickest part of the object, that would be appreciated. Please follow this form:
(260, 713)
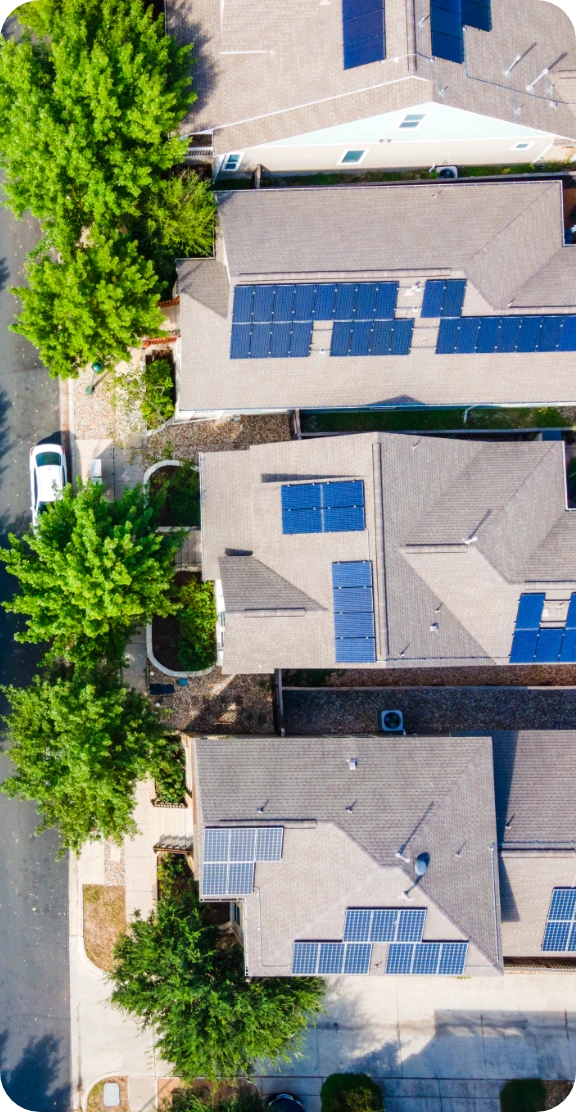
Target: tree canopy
(183, 977)
(79, 745)
(91, 572)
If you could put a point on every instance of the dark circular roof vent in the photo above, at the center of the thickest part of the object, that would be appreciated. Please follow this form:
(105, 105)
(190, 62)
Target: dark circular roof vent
(421, 864)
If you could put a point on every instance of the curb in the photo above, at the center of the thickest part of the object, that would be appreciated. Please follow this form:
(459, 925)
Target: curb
(169, 671)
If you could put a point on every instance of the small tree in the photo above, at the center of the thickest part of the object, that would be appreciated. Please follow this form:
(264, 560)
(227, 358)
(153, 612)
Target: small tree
(92, 572)
(175, 973)
(79, 745)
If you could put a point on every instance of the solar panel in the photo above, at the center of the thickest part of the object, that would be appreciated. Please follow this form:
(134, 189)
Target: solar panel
(560, 932)
(331, 957)
(401, 339)
(301, 340)
(571, 615)
(215, 879)
(324, 302)
(305, 958)
(303, 301)
(354, 625)
(529, 331)
(260, 341)
(562, 903)
(432, 301)
(242, 844)
(550, 333)
(400, 957)
(411, 925)
(384, 925)
(568, 651)
(350, 650)
(240, 341)
(302, 521)
(530, 606)
(523, 648)
(556, 936)
(363, 32)
(341, 338)
(357, 924)
(572, 940)
(382, 337)
(443, 297)
(366, 301)
(351, 599)
(549, 646)
(330, 507)
(280, 340)
(447, 337)
(269, 843)
(345, 301)
(386, 300)
(453, 958)
(361, 337)
(352, 573)
(283, 302)
(301, 496)
(508, 334)
(240, 878)
(344, 519)
(216, 844)
(487, 336)
(347, 493)
(476, 13)
(467, 335)
(446, 30)
(357, 957)
(263, 302)
(243, 301)
(426, 957)
(567, 341)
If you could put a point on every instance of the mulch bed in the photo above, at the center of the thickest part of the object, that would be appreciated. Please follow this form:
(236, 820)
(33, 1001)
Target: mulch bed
(219, 704)
(166, 632)
(185, 441)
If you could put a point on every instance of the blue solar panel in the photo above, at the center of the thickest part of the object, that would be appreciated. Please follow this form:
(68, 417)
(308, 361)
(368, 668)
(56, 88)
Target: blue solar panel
(341, 338)
(529, 332)
(301, 340)
(443, 298)
(280, 340)
(571, 944)
(324, 303)
(301, 496)
(215, 879)
(382, 337)
(362, 53)
(562, 904)
(363, 33)
(426, 957)
(303, 301)
(241, 878)
(216, 843)
(567, 341)
(366, 301)
(476, 13)
(453, 958)
(508, 334)
(330, 507)
(345, 301)
(549, 333)
(305, 958)
(242, 844)
(354, 625)
(401, 336)
(350, 599)
(487, 337)
(344, 519)
(432, 301)
(350, 650)
(530, 608)
(447, 337)
(269, 842)
(568, 652)
(367, 25)
(301, 521)
(352, 573)
(331, 957)
(357, 924)
(448, 46)
(384, 924)
(361, 337)
(524, 646)
(243, 301)
(260, 342)
(556, 936)
(283, 302)
(349, 493)
(263, 302)
(386, 300)
(399, 958)
(571, 615)
(357, 958)
(467, 334)
(240, 342)
(411, 925)
(549, 645)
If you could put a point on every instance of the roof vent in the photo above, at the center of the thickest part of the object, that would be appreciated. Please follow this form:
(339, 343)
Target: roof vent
(353, 763)
(392, 722)
(421, 864)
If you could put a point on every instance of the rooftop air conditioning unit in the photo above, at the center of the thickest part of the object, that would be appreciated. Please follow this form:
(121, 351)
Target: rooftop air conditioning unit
(392, 722)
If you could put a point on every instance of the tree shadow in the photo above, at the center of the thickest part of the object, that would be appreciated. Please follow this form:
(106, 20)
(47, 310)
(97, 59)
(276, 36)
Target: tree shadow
(35, 1083)
(187, 31)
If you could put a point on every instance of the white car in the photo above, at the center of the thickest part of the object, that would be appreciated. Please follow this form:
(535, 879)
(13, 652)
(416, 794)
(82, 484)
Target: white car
(48, 477)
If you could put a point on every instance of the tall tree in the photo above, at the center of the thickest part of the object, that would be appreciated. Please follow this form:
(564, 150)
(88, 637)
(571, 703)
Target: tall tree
(91, 572)
(79, 745)
(181, 976)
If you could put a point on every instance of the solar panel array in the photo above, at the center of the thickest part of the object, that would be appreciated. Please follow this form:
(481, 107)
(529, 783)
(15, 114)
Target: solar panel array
(311, 958)
(477, 13)
(500, 335)
(384, 924)
(438, 958)
(230, 854)
(275, 321)
(443, 297)
(363, 32)
(534, 643)
(447, 20)
(332, 507)
(560, 933)
(353, 597)
(378, 337)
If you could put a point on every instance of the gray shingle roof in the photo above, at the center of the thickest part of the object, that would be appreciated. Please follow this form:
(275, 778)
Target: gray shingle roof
(534, 776)
(409, 796)
(249, 585)
(254, 85)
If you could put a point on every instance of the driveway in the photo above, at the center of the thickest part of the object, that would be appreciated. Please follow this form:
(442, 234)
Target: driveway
(34, 1036)
(439, 1044)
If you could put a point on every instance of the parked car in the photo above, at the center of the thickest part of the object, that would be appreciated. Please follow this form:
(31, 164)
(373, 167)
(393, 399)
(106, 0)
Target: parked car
(284, 1102)
(48, 477)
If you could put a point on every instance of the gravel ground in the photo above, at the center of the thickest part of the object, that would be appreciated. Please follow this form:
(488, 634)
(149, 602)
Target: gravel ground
(541, 675)
(428, 709)
(217, 704)
(185, 441)
(94, 416)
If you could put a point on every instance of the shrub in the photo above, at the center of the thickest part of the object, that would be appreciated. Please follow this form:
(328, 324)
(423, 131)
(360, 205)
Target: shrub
(197, 644)
(157, 404)
(170, 773)
(247, 1099)
(523, 1095)
(181, 495)
(351, 1092)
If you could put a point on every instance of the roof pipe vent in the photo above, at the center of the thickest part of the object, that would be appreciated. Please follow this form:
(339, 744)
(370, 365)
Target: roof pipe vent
(421, 864)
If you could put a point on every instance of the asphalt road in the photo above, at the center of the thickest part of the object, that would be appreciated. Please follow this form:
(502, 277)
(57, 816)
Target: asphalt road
(35, 1022)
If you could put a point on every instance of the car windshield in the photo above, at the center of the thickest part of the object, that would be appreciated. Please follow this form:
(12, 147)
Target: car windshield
(47, 459)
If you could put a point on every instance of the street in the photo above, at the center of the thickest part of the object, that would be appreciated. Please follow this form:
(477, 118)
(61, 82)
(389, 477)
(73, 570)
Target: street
(34, 1039)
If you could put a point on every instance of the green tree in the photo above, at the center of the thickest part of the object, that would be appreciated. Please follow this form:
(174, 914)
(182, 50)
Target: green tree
(179, 221)
(92, 572)
(79, 745)
(178, 974)
(90, 304)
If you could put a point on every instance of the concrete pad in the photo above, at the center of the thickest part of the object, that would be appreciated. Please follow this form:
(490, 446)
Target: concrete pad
(135, 673)
(90, 449)
(141, 1093)
(93, 868)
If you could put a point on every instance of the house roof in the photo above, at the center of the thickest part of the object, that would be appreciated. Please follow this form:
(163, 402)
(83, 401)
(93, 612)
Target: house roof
(534, 774)
(455, 529)
(256, 84)
(409, 796)
(505, 238)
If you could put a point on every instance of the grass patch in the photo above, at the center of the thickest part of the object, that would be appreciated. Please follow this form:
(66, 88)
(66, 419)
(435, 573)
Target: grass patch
(197, 618)
(436, 420)
(351, 1092)
(104, 914)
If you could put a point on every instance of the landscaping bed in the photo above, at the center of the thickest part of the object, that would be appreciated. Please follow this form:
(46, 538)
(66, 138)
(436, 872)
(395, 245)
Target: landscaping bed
(533, 1095)
(186, 640)
(185, 441)
(437, 420)
(180, 489)
(158, 398)
(104, 920)
(95, 1102)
